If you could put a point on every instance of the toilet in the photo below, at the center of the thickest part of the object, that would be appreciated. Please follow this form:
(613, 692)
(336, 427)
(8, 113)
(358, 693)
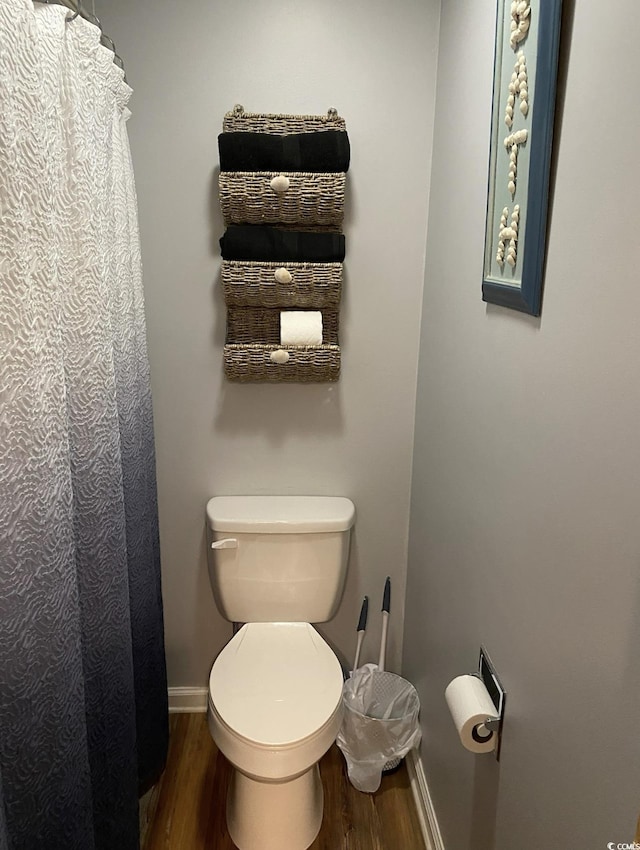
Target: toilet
(276, 565)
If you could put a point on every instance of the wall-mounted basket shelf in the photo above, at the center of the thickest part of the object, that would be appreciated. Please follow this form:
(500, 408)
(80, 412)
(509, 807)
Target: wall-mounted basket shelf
(249, 325)
(239, 121)
(306, 364)
(257, 291)
(306, 199)
(305, 285)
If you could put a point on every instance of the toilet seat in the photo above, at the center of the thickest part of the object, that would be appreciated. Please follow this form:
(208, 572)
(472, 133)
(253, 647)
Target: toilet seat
(276, 684)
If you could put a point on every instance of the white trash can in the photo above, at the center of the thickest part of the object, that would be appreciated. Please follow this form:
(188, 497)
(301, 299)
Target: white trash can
(380, 724)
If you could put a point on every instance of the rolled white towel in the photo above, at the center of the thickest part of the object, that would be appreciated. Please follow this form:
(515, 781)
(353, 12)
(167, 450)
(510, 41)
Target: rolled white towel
(301, 327)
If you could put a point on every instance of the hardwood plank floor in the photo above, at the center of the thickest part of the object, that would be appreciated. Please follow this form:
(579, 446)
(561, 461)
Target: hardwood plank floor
(187, 811)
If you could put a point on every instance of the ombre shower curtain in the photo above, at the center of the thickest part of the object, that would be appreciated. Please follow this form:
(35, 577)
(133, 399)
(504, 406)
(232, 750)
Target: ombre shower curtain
(83, 700)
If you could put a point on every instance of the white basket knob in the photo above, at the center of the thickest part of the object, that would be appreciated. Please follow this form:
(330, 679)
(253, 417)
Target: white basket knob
(280, 356)
(280, 183)
(282, 275)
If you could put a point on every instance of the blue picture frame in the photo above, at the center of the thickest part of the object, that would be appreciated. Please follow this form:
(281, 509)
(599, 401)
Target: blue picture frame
(518, 284)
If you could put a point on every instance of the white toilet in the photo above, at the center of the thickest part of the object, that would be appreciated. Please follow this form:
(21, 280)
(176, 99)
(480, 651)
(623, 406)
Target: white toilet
(278, 563)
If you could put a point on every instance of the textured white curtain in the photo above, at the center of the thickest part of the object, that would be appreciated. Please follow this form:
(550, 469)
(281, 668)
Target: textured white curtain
(82, 680)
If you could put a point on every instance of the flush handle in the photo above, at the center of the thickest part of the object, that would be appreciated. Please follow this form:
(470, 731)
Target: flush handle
(226, 543)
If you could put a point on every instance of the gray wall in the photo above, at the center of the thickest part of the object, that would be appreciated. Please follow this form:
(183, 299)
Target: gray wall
(526, 485)
(189, 64)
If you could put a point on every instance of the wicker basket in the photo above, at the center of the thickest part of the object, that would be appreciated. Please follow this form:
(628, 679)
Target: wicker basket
(248, 325)
(306, 364)
(253, 294)
(247, 197)
(238, 121)
(253, 284)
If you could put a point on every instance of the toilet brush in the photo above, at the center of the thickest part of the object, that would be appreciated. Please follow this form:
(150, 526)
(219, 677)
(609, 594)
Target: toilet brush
(393, 763)
(362, 625)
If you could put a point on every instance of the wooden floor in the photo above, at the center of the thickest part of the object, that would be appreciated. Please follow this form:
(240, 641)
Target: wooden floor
(187, 809)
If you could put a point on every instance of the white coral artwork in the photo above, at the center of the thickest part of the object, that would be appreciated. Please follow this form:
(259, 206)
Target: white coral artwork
(517, 99)
(523, 82)
(512, 144)
(508, 232)
(518, 88)
(503, 223)
(520, 21)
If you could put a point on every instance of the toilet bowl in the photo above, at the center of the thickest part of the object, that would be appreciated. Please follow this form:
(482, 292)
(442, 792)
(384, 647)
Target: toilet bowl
(277, 564)
(275, 707)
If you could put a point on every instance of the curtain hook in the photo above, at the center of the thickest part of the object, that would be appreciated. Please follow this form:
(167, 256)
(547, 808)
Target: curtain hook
(78, 11)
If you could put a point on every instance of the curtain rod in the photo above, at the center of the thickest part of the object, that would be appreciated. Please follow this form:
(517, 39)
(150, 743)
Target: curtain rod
(78, 9)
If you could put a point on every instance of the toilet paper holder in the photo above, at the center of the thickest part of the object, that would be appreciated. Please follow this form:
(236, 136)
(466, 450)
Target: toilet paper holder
(486, 672)
(493, 724)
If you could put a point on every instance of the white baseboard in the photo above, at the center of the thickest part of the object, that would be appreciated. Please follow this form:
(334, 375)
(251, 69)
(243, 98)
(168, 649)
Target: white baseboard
(187, 700)
(424, 804)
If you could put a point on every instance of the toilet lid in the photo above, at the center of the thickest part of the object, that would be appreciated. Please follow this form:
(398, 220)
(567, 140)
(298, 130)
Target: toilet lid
(276, 683)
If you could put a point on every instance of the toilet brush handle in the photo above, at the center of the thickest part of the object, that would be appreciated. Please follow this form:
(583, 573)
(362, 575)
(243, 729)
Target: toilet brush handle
(386, 604)
(383, 640)
(356, 660)
(386, 596)
(362, 625)
(364, 611)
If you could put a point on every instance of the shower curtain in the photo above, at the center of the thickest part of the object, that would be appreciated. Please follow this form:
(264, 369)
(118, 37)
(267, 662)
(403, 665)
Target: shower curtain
(83, 699)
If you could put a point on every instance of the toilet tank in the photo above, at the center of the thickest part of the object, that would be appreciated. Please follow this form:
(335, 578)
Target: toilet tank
(278, 558)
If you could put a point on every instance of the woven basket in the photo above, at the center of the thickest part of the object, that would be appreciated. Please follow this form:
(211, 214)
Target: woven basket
(248, 325)
(246, 197)
(253, 284)
(254, 297)
(306, 365)
(238, 121)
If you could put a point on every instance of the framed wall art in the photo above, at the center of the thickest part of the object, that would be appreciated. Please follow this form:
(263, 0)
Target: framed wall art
(524, 87)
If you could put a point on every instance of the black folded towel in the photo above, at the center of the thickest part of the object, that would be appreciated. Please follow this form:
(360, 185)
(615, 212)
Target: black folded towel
(327, 150)
(259, 242)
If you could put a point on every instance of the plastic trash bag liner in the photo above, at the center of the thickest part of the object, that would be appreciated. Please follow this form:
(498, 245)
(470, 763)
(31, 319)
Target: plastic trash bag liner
(380, 723)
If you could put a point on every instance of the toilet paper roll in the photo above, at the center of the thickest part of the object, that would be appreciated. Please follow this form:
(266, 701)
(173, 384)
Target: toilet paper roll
(301, 327)
(471, 706)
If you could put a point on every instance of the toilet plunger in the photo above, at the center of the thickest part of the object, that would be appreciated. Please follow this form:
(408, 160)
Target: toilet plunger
(386, 603)
(362, 625)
